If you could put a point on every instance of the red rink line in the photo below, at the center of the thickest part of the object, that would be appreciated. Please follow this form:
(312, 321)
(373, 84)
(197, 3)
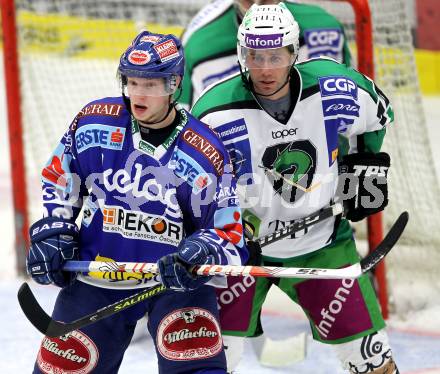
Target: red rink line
(418, 332)
(409, 330)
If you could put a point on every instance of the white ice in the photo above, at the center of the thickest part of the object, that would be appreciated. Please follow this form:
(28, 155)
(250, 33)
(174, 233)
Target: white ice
(415, 337)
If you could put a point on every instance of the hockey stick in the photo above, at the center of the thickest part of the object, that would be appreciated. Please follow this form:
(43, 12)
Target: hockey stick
(49, 327)
(38, 317)
(46, 325)
(301, 224)
(288, 181)
(350, 272)
(257, 271)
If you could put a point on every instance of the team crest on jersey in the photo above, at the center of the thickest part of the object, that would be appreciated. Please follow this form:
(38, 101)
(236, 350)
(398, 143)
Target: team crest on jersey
(189, 334)
(290, 168)
(73, 353)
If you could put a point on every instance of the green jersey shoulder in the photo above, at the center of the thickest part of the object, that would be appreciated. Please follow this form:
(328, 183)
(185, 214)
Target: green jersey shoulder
(212, 31)
(315, 71)
(323, 76)
(226, 94)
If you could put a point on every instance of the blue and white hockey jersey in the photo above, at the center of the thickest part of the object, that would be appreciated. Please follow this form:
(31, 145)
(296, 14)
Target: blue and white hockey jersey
(140, 201)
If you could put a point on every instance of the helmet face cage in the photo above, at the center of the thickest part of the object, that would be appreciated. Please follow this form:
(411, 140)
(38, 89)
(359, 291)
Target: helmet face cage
(155, 58)
(263, 33)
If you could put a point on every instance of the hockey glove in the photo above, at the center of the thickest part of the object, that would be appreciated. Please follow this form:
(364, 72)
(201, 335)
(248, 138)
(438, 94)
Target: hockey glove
(363, 184)
(175, 269)
(53, 241)
(254, 249)
(255, 256)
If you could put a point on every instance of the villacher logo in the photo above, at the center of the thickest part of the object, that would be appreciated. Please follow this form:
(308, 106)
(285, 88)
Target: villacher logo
(189, 334)
(75, 352)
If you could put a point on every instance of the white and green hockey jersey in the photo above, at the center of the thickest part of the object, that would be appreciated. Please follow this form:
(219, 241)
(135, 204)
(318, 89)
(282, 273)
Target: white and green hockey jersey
(210, 43)
(288, 171)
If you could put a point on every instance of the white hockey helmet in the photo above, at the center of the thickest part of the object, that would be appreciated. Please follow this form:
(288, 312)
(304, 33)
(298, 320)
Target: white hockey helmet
(243, 5)
(267, 27)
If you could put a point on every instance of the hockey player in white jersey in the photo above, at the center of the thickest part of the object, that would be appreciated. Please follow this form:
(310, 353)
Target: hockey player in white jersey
(280, 122)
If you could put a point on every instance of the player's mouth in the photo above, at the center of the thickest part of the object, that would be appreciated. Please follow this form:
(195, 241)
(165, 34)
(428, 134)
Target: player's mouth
(139, 109)
(265, 87)
(267, 84)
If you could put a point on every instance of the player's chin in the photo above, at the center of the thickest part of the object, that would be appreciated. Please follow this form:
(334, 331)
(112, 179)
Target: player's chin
(265, 89)
(143, 116)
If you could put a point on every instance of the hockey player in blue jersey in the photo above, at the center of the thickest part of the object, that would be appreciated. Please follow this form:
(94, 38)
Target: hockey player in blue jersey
(154, 185)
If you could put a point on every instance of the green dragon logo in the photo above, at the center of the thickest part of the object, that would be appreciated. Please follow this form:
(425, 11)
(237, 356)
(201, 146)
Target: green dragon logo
(290, 167)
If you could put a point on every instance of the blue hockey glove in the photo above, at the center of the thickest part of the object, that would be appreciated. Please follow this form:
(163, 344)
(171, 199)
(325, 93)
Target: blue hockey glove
(53, 241)
(175, 268)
